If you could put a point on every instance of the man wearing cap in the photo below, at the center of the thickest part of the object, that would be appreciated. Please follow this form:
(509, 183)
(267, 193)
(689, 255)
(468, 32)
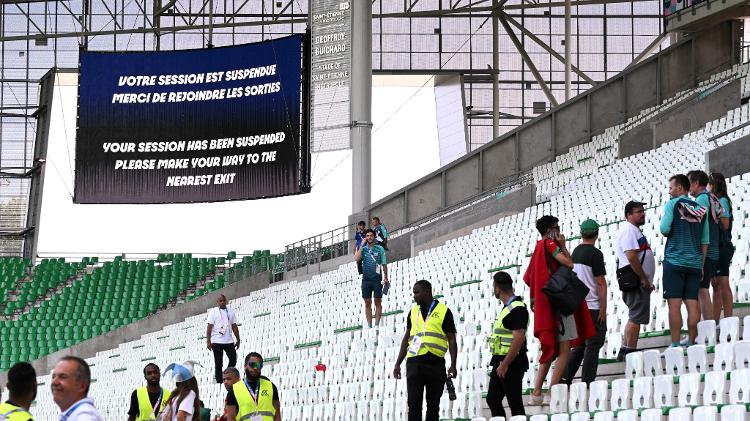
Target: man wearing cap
(256, 398)
(588, 264)
(632, 249)
(146, 403)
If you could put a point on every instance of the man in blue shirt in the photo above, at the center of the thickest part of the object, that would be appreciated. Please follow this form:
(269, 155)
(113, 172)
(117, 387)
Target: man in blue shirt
(698, 183)
(682, 224)
(374, 275)
(359, 238)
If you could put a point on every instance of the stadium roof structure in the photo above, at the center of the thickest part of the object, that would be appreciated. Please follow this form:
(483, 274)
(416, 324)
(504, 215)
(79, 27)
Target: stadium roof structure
(409, 37)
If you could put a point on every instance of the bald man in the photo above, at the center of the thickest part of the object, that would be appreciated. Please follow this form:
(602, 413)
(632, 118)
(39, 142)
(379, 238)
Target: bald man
(221, 324)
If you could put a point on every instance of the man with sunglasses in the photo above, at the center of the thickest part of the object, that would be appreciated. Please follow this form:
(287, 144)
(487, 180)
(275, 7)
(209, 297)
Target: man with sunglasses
(255, 398)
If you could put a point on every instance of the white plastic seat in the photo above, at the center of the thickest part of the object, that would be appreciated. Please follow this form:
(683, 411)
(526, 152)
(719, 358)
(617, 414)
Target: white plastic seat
(706, 333)
(634, 365)
(577, 401)
(663, 391)
(689, 393)
(680, 414)
(713, 388)
(459, 405)
(746, 328)
(517, 418)
(642, 393)
(739, 386)
(742, 355)
(560, 417)
(674, 361)
(474, 404)
(604, 416)
(598, 396)
(706, 413)
(580, 416)
(652, 363)
(499, 419)
(538, 417)
(620, 395)
(697, 359)
(729, 329)
(733, 413)
(558, 401)
(723, 357)
(627, 415)
(651, 414)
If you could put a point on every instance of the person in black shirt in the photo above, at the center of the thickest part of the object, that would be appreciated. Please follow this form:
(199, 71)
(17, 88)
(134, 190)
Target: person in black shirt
(508, 346)
(425, 367)
(152, 374)
(253, 366)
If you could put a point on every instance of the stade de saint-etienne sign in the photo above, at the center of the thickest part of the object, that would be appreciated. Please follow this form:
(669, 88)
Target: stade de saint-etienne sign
(331, 65)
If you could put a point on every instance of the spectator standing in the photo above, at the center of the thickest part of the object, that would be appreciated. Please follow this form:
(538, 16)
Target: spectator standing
(184, 402)
(359, 238)
(710, 250)
(222, 322)
(723, 297)
(231, 376)
(682, 224)
(554, 331)
(633, 249)
(22, 387)
(255, 398)
(430, 332)
(508, 346)
(374, 275)
(146, 403)
(71, 379)
(381, 233)
(588, 264)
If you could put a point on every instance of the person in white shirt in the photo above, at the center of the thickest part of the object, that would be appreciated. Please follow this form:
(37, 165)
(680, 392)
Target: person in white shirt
(633, 250)
(183, 404)
(222, 322)
(71, 379)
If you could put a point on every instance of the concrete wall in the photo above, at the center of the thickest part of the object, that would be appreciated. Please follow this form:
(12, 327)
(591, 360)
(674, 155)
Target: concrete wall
(153, 323)
(461, 223)
(730, 159)
(683, 118)
(573, 123)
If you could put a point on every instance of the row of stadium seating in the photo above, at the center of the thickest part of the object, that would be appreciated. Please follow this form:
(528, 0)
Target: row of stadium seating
(296, 324)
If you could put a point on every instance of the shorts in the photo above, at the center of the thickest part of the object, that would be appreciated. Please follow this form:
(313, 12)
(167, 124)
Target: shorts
(680, 282)
(709, 271)
(372, 288)
(639, 305)
(725, 260)
(566, 330)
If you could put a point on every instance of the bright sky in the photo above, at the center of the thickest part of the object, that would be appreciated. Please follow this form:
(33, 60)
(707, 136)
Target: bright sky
(404, 148)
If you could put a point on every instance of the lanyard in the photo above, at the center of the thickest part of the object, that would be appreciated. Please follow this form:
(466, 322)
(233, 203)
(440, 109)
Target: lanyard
(226, 310)
(510, 300)
(372, 256)
(432, 307)
(155, 411)
(253, 393)
(70, 410)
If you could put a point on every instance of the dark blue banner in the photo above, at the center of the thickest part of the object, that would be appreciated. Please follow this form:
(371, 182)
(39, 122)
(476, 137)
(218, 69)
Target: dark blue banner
(192, 126)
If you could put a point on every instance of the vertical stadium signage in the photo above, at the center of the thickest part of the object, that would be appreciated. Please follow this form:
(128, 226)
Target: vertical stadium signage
(331, 69)
(191, 126)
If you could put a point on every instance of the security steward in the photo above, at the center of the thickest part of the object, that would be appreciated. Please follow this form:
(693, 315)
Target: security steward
(255, 398)
(22, 388)
(146, 403)
(430, 332)
(508, 346)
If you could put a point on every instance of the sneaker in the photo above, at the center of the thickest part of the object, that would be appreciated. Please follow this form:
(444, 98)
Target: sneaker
(536, 400)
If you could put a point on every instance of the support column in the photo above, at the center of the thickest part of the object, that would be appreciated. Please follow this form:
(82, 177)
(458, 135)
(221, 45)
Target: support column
(496, 72)
(567, 50)
(361, 104)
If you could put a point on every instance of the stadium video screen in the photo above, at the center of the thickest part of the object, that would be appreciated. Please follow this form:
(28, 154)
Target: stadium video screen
(193, 125)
